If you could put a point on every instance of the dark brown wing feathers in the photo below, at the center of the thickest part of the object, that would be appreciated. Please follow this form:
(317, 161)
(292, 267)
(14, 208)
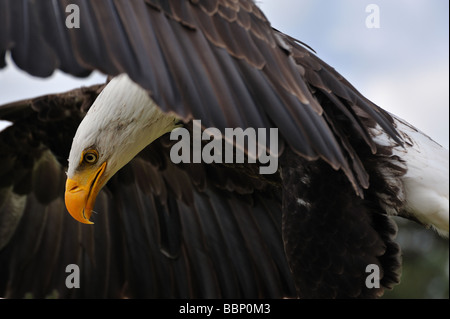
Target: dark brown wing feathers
(161, 230)
(219, 61)
(171, 231)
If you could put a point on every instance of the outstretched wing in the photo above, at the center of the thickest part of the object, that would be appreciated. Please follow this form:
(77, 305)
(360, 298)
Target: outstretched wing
(214, 60)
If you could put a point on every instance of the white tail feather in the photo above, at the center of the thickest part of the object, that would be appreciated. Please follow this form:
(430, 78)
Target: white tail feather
(426, 182)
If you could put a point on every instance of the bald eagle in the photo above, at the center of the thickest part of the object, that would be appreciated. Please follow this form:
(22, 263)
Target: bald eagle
(313, 229)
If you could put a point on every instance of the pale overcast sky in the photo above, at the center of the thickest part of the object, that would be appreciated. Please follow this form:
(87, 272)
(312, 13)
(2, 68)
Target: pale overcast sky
(403, 66)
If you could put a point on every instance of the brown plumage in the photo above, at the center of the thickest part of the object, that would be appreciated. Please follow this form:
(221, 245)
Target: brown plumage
(192, 230)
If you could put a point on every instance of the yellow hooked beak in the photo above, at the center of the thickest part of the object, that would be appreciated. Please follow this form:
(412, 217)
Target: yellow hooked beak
(81, 192)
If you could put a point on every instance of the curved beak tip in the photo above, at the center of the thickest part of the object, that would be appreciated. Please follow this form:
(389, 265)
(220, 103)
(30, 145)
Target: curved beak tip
(81, 192)
(75, 199)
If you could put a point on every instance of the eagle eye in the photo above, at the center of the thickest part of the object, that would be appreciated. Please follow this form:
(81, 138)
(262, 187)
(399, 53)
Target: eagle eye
(90, 157)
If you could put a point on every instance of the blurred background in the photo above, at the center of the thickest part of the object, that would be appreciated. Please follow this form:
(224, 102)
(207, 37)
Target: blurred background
(403, 66)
